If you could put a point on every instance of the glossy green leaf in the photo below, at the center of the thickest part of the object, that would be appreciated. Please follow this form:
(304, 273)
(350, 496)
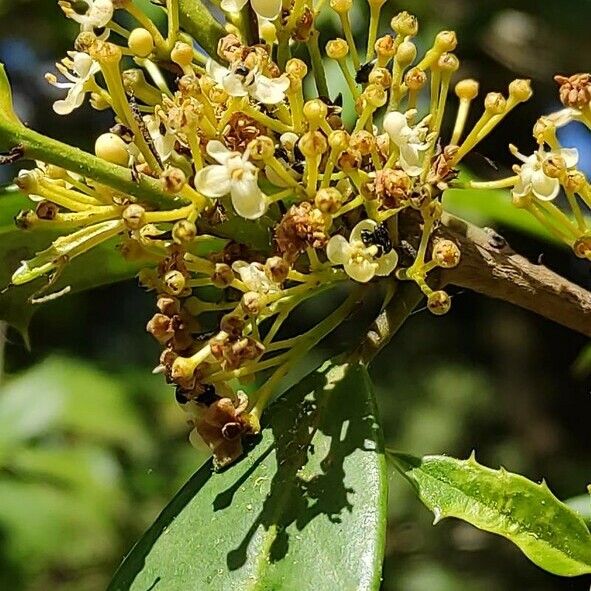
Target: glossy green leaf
(305, 509)
(549, 533)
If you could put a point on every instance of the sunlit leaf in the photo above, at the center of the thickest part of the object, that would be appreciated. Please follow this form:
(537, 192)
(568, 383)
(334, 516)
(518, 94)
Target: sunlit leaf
(549, 533)
(305, 509)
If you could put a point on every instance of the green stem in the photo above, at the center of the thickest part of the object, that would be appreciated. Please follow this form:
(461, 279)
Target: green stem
(406, 297)
(39, 147)
(317, 65)
(196, 20)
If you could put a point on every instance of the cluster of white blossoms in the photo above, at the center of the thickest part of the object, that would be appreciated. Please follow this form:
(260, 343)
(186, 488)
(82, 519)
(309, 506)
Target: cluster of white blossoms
(246, 188)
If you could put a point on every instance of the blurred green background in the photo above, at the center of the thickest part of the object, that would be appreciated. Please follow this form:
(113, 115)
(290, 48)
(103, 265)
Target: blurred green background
(92, 445)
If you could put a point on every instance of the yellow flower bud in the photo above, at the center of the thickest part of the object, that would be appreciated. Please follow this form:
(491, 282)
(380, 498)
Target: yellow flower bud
(439, 303)
(495, 103)
(315, 110)
(445, 41)
(446, 254)
(134, 216)
(182, 54)
(405, 24)
(313, 144)
(341, 6)
(141, 42)
(112, 148)
(406, 54)
(385, 47)
(297, 68)
(328, 200)
(339, 140)
(520, 90)
(174, 180)
(184, 232)
(381, 77)
(415, 79)
(261, 148)
(276, 269)
(467, 89)
(174, 282)
(337, 49)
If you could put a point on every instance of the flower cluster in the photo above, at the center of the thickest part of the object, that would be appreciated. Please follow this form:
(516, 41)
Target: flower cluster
(246, 194)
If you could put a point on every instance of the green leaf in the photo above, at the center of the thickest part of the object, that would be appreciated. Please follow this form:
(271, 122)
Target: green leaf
(548, 532)
(196, 20)
(493, 207)
(305, 509)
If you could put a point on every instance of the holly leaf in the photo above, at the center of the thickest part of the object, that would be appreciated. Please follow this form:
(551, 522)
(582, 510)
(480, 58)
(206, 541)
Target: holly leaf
(305, 509)
(548, 532)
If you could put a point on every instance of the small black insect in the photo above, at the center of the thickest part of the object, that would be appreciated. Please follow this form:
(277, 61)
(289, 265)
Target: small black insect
(209, 396)
(181, 395)
(362, 75)
(379, 237)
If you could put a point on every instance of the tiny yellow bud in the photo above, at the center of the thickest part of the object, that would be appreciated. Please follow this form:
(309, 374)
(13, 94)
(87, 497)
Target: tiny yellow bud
(405, 24)
(445, 41)
(381, 77)
(134, 216)
(315, 110)
(222, 276)
(520, 90)
(297, 68)
(252, 303)
(574, 181)
(415, 79)
(338, 140)
(406, 54)
(554, 166)
(174, 180)
(448, 62)
(337, 49)
(328, 200)
(341, 6)
(313, 144)
(385, 47)
(174, 282)
(375, 95)
(439, 303)
(582, 247)
(184, 232)
(112, 148)
(467, 89)
(268, 32)
(446, 254)
(261, 148)
(182, 54)
(495, 103)
(141, 42)
(276, 269)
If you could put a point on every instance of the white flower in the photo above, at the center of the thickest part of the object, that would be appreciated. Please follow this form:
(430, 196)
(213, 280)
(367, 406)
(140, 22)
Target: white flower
(533, 179)
(163, 142)
(80, 72)
(361, 261)
(234, 175)
(410, 141)
(96, 16)
(267, 9)
(254, 277)
(239, 81)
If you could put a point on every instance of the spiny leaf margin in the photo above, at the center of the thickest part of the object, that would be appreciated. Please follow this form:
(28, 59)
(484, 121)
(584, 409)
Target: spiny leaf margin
(548, 532)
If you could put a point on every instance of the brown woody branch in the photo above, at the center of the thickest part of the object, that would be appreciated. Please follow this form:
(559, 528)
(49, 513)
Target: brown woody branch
(489, 266)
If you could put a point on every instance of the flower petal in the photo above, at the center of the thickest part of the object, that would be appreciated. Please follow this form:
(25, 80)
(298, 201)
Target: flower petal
(217, 72)
(232, 5)
(248, 200)
(269, 91)
(394, 124)
(268, 9)
(338, 250)
(387, 263)
(234, 85)
(571, 156)
(213, 181)
(544, 187)
(360, 270)
(369, 225)
(219, 152)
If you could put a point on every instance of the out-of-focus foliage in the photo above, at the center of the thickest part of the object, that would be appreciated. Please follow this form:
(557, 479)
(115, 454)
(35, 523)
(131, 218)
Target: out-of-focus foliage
(487, 373)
